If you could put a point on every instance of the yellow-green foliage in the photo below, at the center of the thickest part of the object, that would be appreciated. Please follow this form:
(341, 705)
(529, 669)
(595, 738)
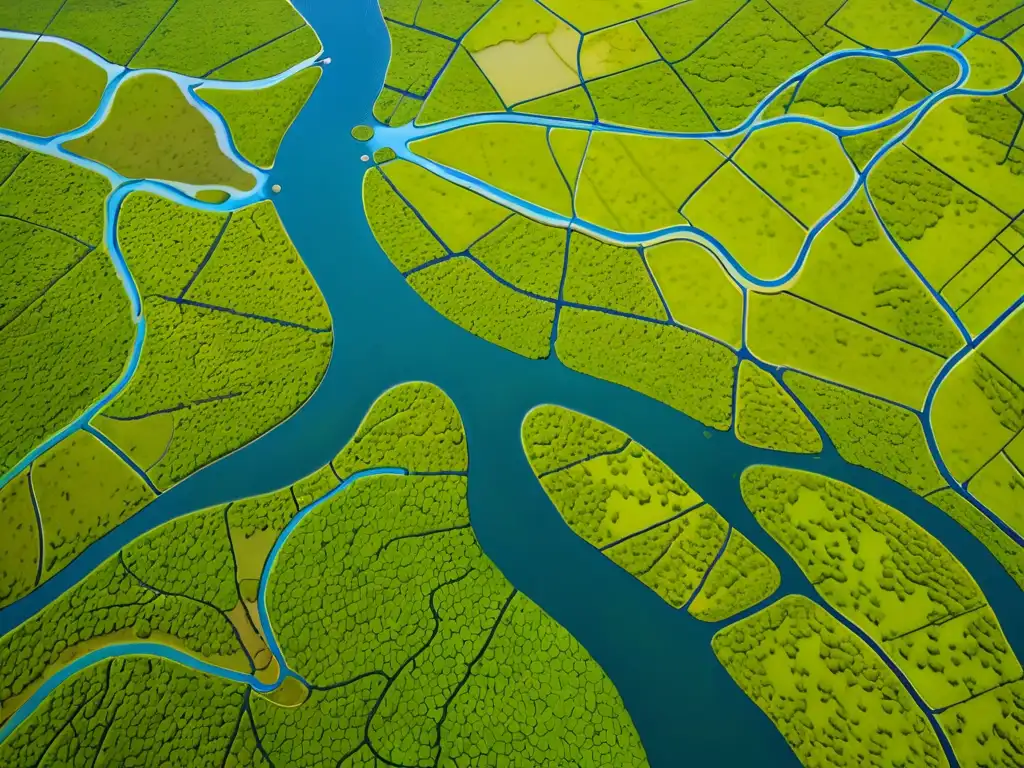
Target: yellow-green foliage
(462, 89)
(856, 91)
(399, 232)
(753, 53)
(416, 58)
(259, 119)
(870, 432)
(513, 158)
(994, 297)
(761, 235)
(699, 292)
(464, 293)
(958, 658)
(680, 29)
(615, 49)
(632, 183)
(673, 558)
(602, 275)
(1004, 549)
(226, 378)
(981, 161)
(459, 217)
(164, 243)
(112, 29)
(934, 70)
(143, 440)
(939, 223)
(980, 12)
(853, 269)
(272, 59)
(767, 417)
(827, 692)
(31, 260)
(741, 578)
(413, 426)
(573, 104)
(803, 167)
(53, 91)
(19, 552)
(977, 410)
(993, 63)
(56, 194)
(869, 561)
(976, 274)
(569, 148)
(884, 23)
(511, 21)
(1000, 487)
(12, 52)
(604, 13)
(1005, 346)
(83, 490)
(986, 731)
(452, 19)
(677, 367)
(28, 15)
(784, 330)
(651, 96)
(864, 146)
(119, 710)
(154, 131)
(195, 38)
(613, 497)
(61, 353)
(255, 269)
(554, 436)
(528, 255)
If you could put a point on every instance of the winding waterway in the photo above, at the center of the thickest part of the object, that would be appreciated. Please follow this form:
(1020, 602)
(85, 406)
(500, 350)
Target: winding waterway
(685, 706)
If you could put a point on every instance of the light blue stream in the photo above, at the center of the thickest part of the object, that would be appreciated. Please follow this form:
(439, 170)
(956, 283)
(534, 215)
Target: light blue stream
(685, 706)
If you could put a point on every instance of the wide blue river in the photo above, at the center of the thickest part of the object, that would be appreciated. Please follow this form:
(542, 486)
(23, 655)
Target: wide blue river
(686, 708)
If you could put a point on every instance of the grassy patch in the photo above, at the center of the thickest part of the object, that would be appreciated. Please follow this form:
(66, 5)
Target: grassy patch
(985, 729)
(450, 18)
(272, 58)
(153, 131)
(259, 119)
(743, 577)
(680, 30)
(603, 13)
(144, 440)
(529, 255)
(573, 104)
(112, 29)
(554, 436)
(994, 297)
(416, 59)
(615, 49)
(826, 691)
(651, 96)
(514, 158)
(602, 275)
(19, 553)
(1000, 487)
(677, 367)
(462, 89)
(884, 23)
(28, 15)
(870, 432)
(767, 417)
(399, 231)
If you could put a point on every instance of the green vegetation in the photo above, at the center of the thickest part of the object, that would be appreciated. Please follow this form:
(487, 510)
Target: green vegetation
(28, 15)
(384, 155)
(396, 226)
(853, 270)
(986, 730)
(633, 183)
(677, 367)
(53, 91)
(394, 108)
(459, 217)
(830, 696)
(554, 437)
(803, 167)
(754, 52)
(742, 577)
(614, 49)
(452, 19)
(767, 417)
(19, 552)
(679, 30)
(416, 58)
(154, 131)
(144, 440)
(362, 133)
(699, 292)
(573, 104)
(999, 485)
(462, 89)
(762, 236)
(870, 432)
(620, 498)
(784, 330)
(187, 41)
(113, 30)
(514, 158)
(975, 275)
(994, 297)
(464, 293)
(528, 255)
(864, 146)
(604, 13)
(651, 96)
(83, 490)
(259, 119)
(602, 275)
(884, 23)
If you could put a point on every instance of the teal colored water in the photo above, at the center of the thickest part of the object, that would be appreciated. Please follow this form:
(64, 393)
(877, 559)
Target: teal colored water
(686, 708)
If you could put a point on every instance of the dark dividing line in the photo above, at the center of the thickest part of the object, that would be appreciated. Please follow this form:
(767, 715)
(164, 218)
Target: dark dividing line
(973, 696)
(43, 226)
(273, 40)
(988, 280)
(208, 256)
(707, 571)
(424, 30)
(654, 284)
(936, 623)
(106, 731)
(796, 89)
(415, 212)
(864, 325)
(234, 733)
(236, 313)
(794, 27)
(714, 32)
(849, 388)
(238, 587)
(768, 194)
(725, 161)
(993, 457)
(421, 535)
(492, 230)
(1016, 133)
(39, 525)
(46, 290)
(17, 165)
(1009, 458)
(659, 558)
(956, 181)
(439, 473)
(597, 455)
(416, 13)
(33, 46)
(255, 731)
(87, 699)
(431, 263)
(993, 240)
(999, 368)
(116, 450)
(561, 283)
(151, 32)
(356, 679)
(565, 179)
(653, 526)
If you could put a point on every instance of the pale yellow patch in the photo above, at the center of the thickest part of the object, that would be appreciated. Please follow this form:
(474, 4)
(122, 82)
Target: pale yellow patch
(522, 71)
